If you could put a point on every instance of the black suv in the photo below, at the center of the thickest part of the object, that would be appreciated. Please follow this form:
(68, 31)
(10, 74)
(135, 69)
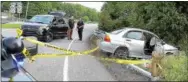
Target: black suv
(46, 27)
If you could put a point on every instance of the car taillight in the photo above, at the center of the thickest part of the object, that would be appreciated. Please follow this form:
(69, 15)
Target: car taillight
(107, 38)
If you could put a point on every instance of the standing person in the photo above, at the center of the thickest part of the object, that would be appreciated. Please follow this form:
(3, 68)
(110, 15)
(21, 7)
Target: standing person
(71, 26)
(80, 27)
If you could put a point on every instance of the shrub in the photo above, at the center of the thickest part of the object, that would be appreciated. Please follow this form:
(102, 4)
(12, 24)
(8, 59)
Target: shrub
(175, 68)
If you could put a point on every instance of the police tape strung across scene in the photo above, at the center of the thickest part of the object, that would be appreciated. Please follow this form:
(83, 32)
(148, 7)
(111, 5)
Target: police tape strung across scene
(49, 45)
(120, 61)
(125, 61)
(70, 52)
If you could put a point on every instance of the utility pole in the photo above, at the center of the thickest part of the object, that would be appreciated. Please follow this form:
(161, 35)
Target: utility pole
(27, 10)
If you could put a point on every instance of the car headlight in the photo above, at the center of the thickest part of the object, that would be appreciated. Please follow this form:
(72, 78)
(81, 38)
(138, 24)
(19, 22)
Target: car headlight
(41, 29)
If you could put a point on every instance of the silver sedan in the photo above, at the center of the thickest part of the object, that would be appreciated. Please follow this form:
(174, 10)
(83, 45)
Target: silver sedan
(134, 42)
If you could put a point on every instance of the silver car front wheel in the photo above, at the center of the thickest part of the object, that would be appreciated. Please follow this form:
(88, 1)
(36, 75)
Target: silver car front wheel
(121, 53)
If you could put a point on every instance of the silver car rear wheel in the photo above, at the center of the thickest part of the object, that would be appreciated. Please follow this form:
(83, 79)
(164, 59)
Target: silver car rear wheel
(121, 53)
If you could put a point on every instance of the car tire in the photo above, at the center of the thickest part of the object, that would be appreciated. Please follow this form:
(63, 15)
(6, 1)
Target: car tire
(48, 37)
(121, 52)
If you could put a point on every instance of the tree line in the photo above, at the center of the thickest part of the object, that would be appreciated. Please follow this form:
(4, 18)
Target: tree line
(169, 20)
(76, 10)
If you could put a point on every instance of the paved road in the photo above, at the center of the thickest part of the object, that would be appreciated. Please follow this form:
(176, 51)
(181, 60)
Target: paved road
(78, 68)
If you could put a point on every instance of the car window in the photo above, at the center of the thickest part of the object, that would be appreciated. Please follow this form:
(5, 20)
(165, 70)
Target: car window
(151, 38)
(116, 31)
(41, 19)
(134, 35)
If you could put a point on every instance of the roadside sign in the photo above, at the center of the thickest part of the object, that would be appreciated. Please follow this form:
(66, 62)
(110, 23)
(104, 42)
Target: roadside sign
(19, 7)
(16, 7)
(13, 7)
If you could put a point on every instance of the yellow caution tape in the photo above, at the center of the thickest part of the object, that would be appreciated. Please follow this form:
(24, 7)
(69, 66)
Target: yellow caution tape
(52, 55)
(70, 52)
(59, 48)
(19, 32)
(125, 61)
(27, 55)
(49, 45)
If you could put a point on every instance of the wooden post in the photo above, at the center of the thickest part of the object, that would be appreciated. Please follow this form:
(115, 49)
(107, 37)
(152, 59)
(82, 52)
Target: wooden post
(155, 65)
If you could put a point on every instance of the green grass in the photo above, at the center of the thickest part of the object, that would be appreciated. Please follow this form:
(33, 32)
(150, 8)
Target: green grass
(10, 25)
(175, 68)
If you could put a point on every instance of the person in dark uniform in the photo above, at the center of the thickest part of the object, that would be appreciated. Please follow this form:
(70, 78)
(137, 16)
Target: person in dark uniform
(80, 27)
(71, 26)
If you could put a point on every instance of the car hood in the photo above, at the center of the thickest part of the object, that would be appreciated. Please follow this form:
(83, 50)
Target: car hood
(33, 25)
(169, 47)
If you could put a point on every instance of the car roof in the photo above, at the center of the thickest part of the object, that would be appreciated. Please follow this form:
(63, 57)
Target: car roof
(44, 15)
(138, 29)
(56, 13)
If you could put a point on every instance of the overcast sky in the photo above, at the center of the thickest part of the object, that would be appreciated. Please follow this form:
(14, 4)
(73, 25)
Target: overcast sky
(95, 5)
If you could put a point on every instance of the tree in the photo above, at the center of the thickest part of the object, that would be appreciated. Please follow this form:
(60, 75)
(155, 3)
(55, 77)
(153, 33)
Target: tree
(86, 18)
(5, 6)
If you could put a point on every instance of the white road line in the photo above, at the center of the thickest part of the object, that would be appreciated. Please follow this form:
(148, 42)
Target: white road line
(71, 44)
(65, 68)
(72, 40)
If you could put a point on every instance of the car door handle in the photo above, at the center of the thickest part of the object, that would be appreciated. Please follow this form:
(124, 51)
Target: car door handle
(128, 40)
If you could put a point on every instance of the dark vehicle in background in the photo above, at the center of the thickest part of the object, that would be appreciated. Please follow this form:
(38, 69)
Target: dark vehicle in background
(46, 27)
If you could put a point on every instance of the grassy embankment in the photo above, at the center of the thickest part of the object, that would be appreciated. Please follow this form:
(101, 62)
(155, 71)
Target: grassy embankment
(175, 68)
(10, 25)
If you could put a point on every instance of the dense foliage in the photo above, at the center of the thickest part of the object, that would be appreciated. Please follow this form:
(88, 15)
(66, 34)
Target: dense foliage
(166, 19)
(77, 10)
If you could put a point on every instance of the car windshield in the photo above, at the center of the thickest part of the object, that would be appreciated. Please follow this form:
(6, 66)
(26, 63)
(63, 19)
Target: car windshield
(41, 19)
